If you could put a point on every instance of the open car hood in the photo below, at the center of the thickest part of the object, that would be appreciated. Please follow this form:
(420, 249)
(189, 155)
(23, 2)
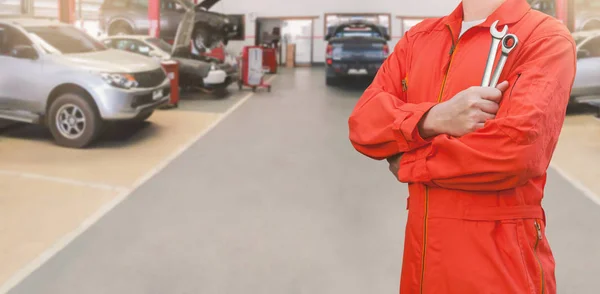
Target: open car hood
(183, 37)
(207, 4)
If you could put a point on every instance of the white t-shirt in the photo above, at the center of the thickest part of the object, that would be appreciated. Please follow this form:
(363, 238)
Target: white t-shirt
(466, 25)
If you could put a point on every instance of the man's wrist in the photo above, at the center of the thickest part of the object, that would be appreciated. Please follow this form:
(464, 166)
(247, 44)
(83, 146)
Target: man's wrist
(427, 125)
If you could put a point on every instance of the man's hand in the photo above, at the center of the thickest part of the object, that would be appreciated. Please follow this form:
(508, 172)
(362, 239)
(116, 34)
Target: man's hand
(464, 113)
(394, 162)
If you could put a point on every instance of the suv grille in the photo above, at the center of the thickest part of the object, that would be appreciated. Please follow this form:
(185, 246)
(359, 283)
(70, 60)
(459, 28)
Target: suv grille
(149, 79)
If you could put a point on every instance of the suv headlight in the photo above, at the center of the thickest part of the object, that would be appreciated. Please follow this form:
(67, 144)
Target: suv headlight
(123, 81)
(226, 20)
(213, 66)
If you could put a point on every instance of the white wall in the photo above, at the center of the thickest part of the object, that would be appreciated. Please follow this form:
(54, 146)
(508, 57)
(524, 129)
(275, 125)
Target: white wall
(289, 8)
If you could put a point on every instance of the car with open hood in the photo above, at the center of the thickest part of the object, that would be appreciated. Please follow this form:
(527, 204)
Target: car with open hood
(56, 75)
(198, 72)
(130, 17)
(356, 48)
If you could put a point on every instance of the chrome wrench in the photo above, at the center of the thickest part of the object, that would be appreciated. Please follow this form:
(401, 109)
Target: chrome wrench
(507, 47)
(496, 38)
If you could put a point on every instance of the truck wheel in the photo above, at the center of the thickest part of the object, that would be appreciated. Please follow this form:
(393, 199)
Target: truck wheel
(120, 28)
(202, 37)
(73, 121)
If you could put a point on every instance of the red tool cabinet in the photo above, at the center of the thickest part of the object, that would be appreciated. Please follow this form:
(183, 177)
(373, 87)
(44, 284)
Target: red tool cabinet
(251, 66)
(172, 69)
(270, 59)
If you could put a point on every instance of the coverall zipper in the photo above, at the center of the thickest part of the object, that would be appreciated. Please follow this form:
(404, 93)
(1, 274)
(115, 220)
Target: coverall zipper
(452, 52)
(537, 241)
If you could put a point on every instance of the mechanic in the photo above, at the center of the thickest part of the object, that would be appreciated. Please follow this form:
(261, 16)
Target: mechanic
(475, 158)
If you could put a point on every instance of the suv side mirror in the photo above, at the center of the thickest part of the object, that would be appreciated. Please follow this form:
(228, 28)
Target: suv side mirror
(582, 53)
(24, 52)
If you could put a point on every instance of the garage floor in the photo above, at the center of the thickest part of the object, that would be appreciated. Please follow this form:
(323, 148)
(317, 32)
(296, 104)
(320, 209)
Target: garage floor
(272, 200)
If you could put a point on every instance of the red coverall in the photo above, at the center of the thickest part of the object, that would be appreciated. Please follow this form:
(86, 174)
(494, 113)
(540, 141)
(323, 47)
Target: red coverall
(475, 222)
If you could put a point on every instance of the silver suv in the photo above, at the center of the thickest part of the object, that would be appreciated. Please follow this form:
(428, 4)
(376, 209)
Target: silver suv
(56, 75)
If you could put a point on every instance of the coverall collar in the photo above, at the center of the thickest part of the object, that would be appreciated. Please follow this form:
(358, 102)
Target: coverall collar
(511, 11)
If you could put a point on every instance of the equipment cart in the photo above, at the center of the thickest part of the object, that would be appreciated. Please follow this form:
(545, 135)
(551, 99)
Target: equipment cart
(251, 69)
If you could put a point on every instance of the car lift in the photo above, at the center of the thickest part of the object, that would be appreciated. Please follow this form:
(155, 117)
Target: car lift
(66, 11)
(154, 14)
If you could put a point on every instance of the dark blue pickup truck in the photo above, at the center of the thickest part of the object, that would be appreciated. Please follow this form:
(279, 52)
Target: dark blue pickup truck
(355, 48)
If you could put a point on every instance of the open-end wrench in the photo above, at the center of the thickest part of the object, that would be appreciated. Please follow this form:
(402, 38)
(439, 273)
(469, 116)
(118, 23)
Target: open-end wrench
(496, 38)
(507, 46)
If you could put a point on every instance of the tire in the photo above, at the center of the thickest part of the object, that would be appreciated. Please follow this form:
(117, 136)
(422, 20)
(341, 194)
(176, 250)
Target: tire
(120, 28)
(203, 37)
(73, 121)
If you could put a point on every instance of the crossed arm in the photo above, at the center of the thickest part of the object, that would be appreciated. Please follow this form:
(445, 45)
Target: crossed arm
(510, 149)
(383, 123)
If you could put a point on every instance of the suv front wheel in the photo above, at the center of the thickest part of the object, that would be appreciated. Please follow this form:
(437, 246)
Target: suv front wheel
(73, 121)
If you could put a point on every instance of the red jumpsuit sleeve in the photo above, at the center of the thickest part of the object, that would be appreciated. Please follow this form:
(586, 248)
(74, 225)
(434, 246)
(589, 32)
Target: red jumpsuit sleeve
(518, 144)
(382, 124)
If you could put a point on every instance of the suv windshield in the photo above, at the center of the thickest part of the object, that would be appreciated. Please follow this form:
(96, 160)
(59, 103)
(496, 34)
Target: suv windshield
(164, 46)
(64, 40)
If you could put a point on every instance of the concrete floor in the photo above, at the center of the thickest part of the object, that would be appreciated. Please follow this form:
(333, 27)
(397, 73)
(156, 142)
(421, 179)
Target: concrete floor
(66, 188)
(275, 200)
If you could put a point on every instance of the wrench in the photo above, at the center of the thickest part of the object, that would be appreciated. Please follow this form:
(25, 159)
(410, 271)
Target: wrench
(496, 38)
(505, 51)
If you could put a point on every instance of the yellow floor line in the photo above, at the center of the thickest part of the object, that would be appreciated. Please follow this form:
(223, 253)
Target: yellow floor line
(92, 185)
